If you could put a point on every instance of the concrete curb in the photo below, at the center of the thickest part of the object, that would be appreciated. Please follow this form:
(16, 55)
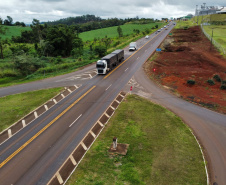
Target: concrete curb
(27, 119)
(71, 163)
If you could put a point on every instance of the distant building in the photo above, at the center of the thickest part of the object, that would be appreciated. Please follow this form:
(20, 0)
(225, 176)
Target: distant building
(207, 10)
(222, 11)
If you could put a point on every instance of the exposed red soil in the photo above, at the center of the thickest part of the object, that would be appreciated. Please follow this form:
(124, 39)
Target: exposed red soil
(188, 55)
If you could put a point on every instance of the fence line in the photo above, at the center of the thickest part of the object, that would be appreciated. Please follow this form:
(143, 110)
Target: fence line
(215, 43)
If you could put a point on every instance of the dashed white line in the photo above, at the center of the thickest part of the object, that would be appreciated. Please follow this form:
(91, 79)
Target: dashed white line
(126, 69)
(108, 87)
(75, 120)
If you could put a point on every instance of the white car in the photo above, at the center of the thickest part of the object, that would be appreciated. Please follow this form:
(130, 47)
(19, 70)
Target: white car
(147, 36)
(159, 30)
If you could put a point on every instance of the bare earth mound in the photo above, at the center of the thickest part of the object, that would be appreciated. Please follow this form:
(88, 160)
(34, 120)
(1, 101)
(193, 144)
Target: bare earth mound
(188, 55)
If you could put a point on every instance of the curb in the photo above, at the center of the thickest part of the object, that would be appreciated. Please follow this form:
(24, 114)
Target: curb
(72, 162)
(27, 119)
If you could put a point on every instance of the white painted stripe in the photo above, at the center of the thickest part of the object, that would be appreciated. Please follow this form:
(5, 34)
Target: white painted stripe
(75, 120)
(91, 132)
(55, 101)
(126, 69)
(59, 178)
(100, 124)
(108, 87)
(36, 114)
(107, 115)
(117, 101)
(90, 76)
(23, 123)
(46, 107)
(112, 107)
(9, 133)
(84, 146)
(69, 90)
(63, 95)
(76, 86)
(121, 95)
(73, 160)
(207, 176)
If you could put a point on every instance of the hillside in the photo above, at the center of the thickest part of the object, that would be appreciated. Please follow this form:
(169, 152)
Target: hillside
(111, 32)
(13, 31)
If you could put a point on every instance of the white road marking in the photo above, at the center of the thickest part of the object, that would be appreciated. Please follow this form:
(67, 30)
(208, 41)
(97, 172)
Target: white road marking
(108, 87)
(75, 120)
(126, 69)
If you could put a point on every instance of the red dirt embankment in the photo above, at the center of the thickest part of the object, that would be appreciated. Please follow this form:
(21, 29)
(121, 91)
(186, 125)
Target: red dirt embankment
(188, 55)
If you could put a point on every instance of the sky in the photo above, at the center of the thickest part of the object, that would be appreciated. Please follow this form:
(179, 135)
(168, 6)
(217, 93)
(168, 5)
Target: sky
(50, 10)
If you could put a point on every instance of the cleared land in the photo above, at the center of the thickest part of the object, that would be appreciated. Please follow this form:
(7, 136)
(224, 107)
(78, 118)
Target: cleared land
(14, 107)
(188, 56)
(162, 150)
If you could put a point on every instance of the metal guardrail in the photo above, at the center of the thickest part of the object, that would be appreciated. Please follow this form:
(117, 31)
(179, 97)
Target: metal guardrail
(215, 43)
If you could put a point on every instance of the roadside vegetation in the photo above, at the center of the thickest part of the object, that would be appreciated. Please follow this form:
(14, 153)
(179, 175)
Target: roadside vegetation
(50, 49)
(14, 107)
(161, 150)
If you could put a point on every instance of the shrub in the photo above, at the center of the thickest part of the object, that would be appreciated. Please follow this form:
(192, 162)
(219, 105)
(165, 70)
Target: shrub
(210, 82)
(191, 82)
(217, 78)
(223, 82)
(223, 86)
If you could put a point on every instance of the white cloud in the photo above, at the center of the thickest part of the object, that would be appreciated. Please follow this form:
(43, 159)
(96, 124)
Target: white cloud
(44, 10)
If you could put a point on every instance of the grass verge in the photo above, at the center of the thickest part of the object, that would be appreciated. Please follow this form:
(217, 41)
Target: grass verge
(218, 32)
(14, 107)
(162, 149)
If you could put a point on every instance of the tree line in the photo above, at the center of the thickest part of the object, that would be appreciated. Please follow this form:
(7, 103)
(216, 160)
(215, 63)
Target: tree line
(91, 22)
(9, 22)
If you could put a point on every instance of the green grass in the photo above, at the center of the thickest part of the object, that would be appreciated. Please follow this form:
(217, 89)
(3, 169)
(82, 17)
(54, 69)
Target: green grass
(219, 33)
(13, 31)
(14, 107)
(162, 149)
(183, 24)
(111, 32)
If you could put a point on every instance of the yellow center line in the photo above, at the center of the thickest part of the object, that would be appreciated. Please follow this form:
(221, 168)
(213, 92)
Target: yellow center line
(44, 128)
(129, 57)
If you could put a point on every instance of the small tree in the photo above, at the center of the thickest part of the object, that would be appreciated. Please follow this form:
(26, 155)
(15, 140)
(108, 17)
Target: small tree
(100, 51)
(119, 30)
(2, 42)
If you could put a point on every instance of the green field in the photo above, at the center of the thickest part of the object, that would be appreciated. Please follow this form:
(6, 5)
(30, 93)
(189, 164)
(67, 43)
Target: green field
(111, 32)
(14, 107)
(13, 31)
(219, 33)
(161, 150)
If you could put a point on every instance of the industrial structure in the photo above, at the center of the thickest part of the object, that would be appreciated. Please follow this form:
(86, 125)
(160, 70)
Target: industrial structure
(207, 10)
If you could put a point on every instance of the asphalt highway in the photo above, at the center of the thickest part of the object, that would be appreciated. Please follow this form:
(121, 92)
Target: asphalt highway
(33, 155)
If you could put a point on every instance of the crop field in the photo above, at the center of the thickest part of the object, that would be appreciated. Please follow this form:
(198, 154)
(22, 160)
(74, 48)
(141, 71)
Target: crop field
(111, 32)
(13, 31)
